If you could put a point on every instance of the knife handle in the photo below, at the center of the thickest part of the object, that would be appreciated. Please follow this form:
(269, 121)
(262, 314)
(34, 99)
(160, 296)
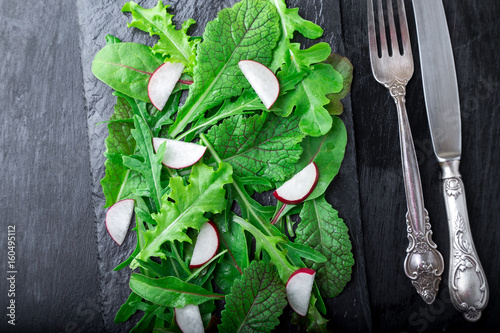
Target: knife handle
(467, 282)
(423, 263)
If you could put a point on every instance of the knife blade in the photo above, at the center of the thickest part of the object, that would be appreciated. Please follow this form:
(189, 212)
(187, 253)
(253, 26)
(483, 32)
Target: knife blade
(467, 282)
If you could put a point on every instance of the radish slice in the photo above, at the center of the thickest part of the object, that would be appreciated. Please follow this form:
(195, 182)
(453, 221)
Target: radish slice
(299, 288)
(206, 245)
(262, 80)
(118, 219)
(298, 188)
(162, 83)
(179, 154)
(189, 319)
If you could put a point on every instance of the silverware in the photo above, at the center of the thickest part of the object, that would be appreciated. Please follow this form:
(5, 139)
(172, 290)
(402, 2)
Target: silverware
(467, 282)
(423, 264)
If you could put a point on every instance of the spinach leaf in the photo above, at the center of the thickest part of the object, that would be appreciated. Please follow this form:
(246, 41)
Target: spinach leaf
(184, 207)
(170, 291)
(256, 301)
(126, 67)
(264, 145)
(174, 44)
(323, 230)
(327, 152)
(249, 30)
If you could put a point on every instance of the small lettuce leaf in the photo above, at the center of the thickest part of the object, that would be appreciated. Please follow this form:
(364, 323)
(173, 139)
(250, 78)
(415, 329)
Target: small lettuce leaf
(184, 207)
(119, 182)
(264, 145)
(327, 152)
(249, 30)
(170, 291)
(310, 95)
(174, 44)
(344, 67)
(256, 301)
(322, 229)
(126, 67)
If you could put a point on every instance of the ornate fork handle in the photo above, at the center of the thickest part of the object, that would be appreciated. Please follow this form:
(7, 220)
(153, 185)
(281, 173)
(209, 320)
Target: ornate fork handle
(467, 282)
(424, 265)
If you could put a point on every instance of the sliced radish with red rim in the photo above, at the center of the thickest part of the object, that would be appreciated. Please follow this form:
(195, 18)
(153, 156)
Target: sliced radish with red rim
(299, 288)
(118, 219)
(298, 188)
(162, 83)
(263, 81)
(179, 154)
(206, 246)
(189, 319)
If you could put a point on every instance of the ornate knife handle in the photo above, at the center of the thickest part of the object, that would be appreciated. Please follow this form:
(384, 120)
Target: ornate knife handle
(423, 264)
(467, 282)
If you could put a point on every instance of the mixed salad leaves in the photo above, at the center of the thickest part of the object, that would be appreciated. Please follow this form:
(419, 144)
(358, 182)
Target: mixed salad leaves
(250, 149)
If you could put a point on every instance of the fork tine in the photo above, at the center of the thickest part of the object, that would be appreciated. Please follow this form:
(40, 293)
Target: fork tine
(381, 28)
(392, 29)
(403, 23)
(372, 35)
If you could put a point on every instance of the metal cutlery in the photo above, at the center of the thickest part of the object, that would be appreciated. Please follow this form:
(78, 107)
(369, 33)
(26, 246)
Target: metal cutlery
(466, 280)
(423, 263)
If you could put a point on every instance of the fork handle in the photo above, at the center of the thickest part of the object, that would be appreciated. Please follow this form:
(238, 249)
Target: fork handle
(423, 264)
(466, 280)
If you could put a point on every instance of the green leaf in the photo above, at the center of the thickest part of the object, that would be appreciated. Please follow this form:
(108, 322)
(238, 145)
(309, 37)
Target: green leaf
(184, 207)
(264, 145)
(309, 99)
(327, 152)
(126, 67)
(249, 30)
(323, 230)
(119, 182)
(174, 44)
(148, 164)
(256, 301)
(344, 67)
(290, 21)
(170, 291)
(298, 251)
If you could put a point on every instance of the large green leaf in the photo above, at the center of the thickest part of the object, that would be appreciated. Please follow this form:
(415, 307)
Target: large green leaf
(327, 152)
(126, 67)
(184, 207)
(170, 291)
(322, 229)
(264, 145)
(174, 44)
(249, 30)
(256, 301)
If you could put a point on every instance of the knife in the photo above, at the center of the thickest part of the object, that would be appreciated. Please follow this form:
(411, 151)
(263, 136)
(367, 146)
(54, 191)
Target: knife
(466, 280)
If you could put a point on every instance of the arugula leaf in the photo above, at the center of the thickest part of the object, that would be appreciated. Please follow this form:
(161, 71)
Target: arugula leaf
(256, 301)
(309, 97)
(264, 145)
(184, 207)
(148, 164)
(327, 152)
(249, 30)
(323, 230)
(170, 291)
(126, 67)
(174, 44)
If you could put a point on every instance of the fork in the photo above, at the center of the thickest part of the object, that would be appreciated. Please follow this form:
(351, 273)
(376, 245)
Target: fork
(423, 263)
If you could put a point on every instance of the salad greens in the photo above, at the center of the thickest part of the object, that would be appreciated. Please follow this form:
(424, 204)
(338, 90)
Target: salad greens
(250, 150)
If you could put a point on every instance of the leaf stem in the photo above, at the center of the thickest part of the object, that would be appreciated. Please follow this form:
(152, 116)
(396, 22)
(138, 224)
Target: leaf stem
(179, 259)
(196, 272)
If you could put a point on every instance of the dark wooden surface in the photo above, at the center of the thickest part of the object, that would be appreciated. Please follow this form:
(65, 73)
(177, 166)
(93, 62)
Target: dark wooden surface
(51, 162)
